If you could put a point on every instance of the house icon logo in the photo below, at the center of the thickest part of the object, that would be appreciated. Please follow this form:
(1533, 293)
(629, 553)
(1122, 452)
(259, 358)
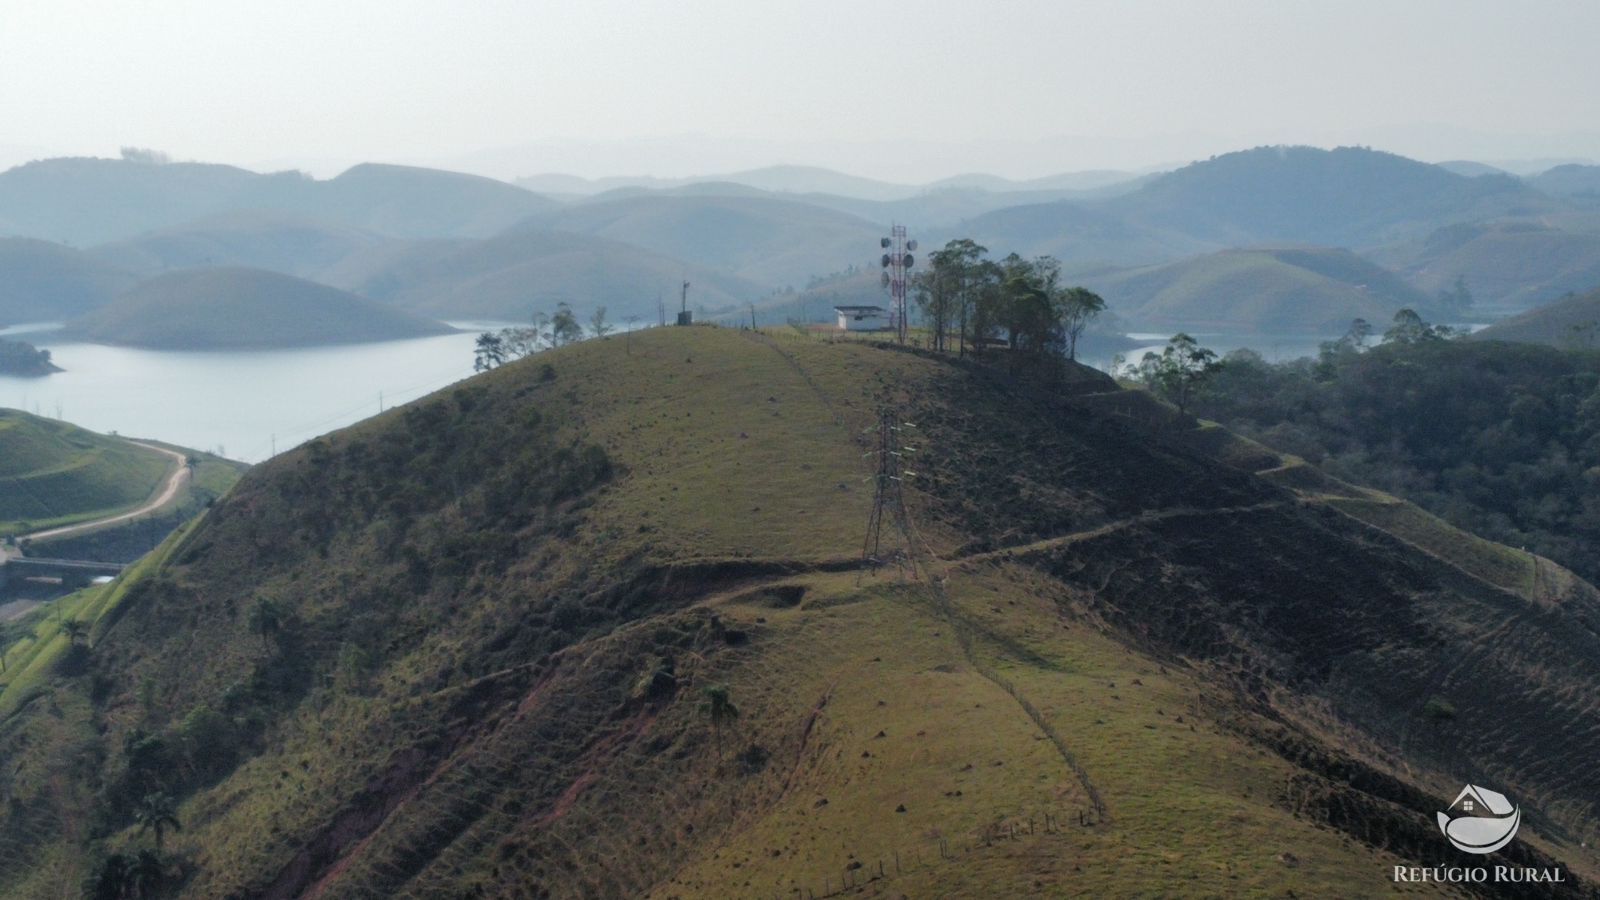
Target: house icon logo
(1480, 820)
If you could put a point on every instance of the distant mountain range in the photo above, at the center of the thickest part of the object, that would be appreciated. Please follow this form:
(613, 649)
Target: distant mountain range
(764, 239)
(815, 180)
(525, 270)
(459, 246)
(92, 201)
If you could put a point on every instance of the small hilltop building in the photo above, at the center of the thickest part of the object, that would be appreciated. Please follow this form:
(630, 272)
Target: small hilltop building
(862, 318)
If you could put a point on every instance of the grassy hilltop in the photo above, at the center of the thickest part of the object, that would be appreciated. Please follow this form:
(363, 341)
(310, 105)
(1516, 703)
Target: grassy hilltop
(464, 649)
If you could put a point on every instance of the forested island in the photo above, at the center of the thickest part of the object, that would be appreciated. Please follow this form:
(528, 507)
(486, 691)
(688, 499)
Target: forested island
(23, 358)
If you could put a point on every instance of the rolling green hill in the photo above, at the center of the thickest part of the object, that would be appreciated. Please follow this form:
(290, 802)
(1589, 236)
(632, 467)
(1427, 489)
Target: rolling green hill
(237, 308)
(45, 282)
(1506, 265)
(767, 240)
(527, 269)
(1273, 291)
(52, 473)
(254, 240)
(1573, 322)
(469, 648)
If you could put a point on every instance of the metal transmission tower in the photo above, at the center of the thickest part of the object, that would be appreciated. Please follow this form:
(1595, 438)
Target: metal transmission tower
(685, 317)
(888, 499)
(897, 260)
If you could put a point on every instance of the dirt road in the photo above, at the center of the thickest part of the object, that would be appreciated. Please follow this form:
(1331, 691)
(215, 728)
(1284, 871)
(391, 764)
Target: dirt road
(169, 490)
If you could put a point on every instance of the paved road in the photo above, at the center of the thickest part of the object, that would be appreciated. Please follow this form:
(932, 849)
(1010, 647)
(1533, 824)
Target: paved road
(169, 490)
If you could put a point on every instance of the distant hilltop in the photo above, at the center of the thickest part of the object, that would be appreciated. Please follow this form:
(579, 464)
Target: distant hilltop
(238, 308)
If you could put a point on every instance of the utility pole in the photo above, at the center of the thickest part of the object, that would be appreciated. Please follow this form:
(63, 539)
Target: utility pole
(627, 339)
(752, 316)
(661, 309)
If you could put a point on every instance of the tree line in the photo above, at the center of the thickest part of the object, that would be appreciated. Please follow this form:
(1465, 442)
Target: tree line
(972, 304)
(1500, 439)
(496, 348)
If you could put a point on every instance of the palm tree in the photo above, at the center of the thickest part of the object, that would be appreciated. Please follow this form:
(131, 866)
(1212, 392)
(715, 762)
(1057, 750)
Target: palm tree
(720, 709)
(75, 631)
(266, 619)
(157, 813)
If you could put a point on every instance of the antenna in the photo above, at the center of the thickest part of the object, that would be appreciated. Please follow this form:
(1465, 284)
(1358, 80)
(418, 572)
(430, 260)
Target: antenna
(684, 316)
(897, 259)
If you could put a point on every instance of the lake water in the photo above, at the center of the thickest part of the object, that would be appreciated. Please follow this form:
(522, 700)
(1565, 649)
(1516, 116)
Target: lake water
(240, 405)
(1273, 348)
(245, 405)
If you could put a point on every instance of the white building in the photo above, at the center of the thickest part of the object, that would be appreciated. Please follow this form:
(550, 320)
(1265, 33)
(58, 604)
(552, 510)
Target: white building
(862, 318)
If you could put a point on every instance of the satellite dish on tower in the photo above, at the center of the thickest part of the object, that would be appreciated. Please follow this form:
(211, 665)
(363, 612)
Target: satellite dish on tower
(911, 245)
(886, 260)
(885, 279)
(883, 242)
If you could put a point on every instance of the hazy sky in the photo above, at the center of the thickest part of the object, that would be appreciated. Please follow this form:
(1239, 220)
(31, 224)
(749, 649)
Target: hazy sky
(903, 90)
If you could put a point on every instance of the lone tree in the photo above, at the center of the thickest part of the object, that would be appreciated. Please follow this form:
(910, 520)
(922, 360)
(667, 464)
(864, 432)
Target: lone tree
(489, 353)
(75, 631)
(598, 326)
(266, 620)
(1079, 306)
(719, 709)
(157, 813)
(1409, 328)
(1179, 371)
(564, 327)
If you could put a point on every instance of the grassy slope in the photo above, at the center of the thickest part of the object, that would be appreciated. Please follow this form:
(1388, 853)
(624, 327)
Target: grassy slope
(1567, 323)
(211, 478)
(235, 308)
(53, 473)
(1103, 615)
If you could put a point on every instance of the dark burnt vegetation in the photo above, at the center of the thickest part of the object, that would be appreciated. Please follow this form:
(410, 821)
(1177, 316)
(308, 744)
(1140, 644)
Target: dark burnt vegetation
(1081, 468)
